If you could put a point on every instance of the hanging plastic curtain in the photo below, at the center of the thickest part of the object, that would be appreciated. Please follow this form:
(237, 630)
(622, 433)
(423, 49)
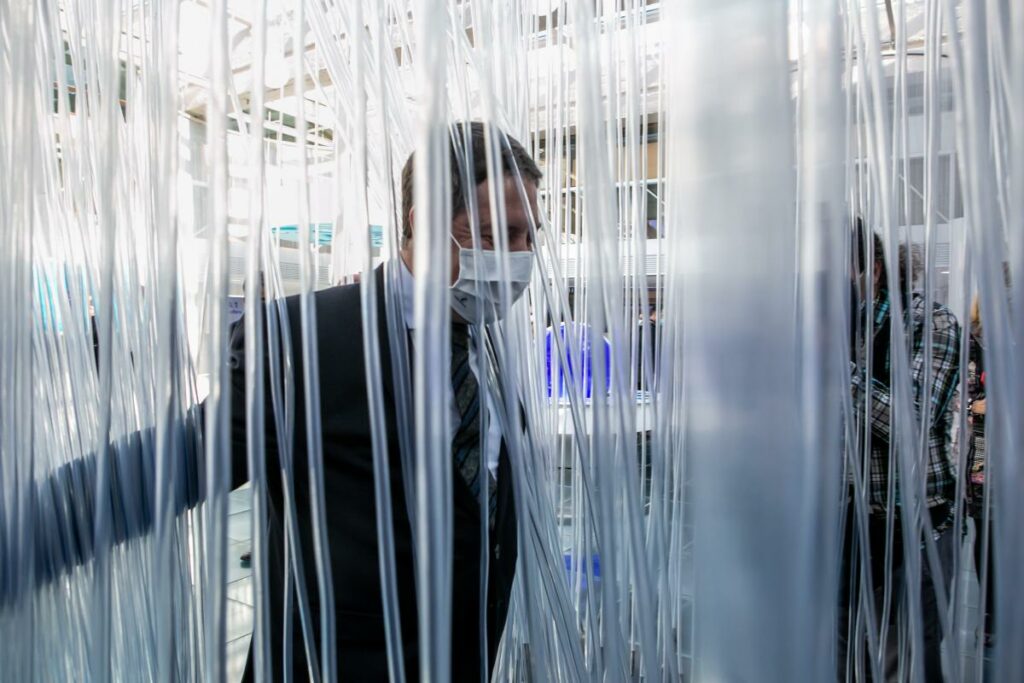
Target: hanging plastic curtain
(547, 340)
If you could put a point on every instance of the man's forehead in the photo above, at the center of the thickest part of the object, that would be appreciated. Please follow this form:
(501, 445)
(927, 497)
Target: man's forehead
(513, 195)
(511, 184)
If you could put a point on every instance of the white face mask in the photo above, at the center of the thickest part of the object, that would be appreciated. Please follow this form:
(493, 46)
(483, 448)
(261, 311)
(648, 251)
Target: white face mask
(477, 294)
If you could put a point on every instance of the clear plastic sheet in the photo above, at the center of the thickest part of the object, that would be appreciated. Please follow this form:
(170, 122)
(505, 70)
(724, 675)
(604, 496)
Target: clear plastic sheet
(691, 463)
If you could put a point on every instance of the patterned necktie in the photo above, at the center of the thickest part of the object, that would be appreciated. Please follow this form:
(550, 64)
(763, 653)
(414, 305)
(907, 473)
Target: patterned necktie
(466, 440)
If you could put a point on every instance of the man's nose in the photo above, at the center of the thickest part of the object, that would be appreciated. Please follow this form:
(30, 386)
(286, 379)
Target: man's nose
(521, 244)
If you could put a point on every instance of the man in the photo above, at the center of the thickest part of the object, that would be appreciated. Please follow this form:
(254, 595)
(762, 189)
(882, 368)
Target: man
(348, 470)
(939, 378)
(351, 519)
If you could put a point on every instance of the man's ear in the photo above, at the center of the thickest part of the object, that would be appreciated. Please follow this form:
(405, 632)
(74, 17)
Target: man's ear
(412, 221)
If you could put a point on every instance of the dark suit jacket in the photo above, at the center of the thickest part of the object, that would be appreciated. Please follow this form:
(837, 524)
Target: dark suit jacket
(350, 513)
(66, 498)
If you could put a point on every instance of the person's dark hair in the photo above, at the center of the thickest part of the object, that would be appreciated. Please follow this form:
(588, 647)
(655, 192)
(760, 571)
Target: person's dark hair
(860, 256)
(513, 156)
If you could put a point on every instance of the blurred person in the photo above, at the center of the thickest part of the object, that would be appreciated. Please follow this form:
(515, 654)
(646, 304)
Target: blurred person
(872, 327)
(976, 409)
(977, 507)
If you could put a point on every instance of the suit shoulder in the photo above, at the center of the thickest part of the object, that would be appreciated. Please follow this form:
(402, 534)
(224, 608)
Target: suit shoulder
(328, 300)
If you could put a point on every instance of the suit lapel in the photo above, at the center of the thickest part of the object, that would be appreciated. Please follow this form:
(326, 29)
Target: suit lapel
(395, 360)
(504, 488)
(386, 363)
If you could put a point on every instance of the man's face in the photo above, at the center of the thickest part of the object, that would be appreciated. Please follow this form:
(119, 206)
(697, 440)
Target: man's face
(517, 221)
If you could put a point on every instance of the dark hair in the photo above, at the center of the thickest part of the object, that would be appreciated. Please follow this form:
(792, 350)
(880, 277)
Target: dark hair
(860, 255)
(513, 156)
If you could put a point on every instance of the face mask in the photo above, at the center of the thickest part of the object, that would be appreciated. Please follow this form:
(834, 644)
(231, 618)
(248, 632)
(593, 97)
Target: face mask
(477, 294)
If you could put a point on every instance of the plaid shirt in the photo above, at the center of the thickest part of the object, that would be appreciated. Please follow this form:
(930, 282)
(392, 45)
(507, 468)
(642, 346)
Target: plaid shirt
(942, 375)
